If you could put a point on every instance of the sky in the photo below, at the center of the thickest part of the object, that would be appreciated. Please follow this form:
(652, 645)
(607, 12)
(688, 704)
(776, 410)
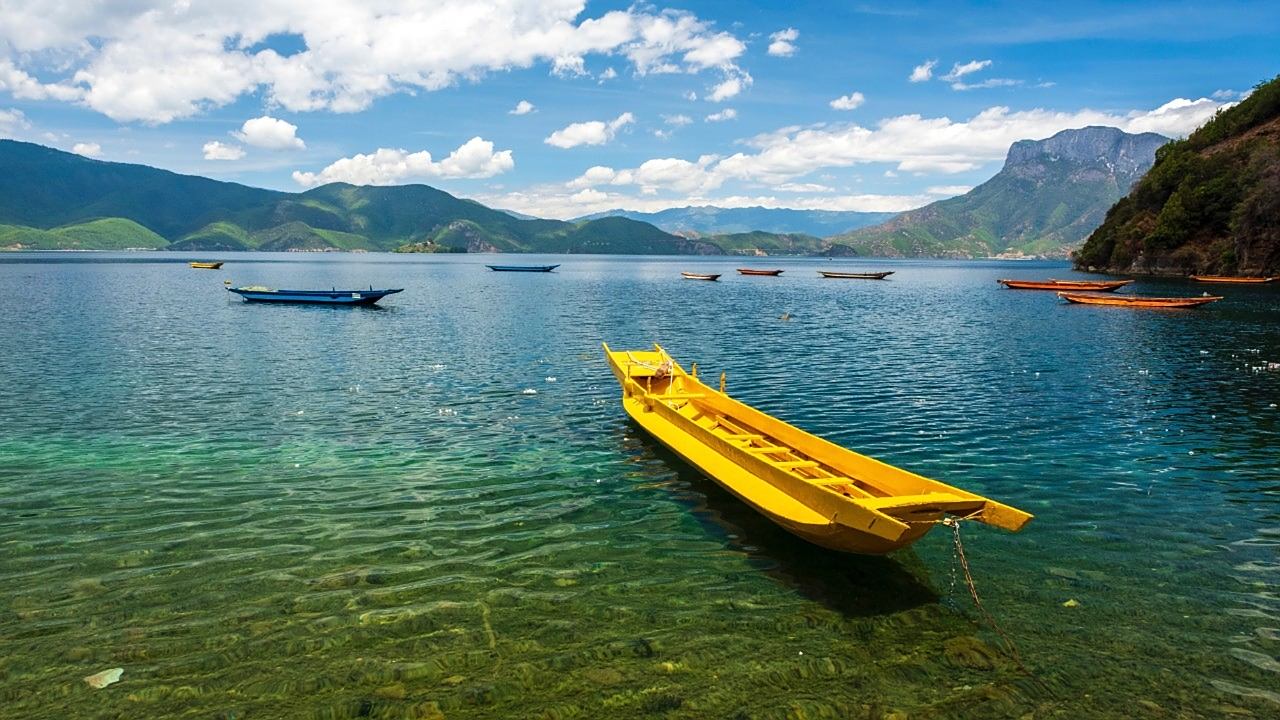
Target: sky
(563, 108)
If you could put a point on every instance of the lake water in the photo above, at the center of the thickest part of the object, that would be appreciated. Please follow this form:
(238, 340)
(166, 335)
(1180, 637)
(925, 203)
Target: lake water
(308, 512)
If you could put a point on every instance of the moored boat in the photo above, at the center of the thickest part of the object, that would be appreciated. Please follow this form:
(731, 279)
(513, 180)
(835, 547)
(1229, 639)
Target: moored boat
(816, 489)
(522, 268)
(257, 293)
(205, 265)
(855, 276)
(699, 276)
(1233, 279)
(1137, 300)
(751, 271)
(1090, 285)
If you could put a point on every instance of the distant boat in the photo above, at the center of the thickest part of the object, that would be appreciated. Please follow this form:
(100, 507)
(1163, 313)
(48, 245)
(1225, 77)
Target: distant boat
(855, 276)
(522, 268)
(1233, 279)
(749, 271)
(815, 489)
(1137, 300)
(1091, 285)
(698, 276)
(205, 265)
(258, 293)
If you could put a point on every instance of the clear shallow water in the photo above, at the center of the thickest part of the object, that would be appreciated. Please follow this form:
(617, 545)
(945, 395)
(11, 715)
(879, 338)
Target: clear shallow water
(265, 511)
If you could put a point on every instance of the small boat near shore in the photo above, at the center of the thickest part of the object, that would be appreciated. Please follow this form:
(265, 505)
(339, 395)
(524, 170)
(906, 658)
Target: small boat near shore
(751, 271)
(855, 276)
(1233, 280)
(205, 265)
(1088, 285)
(815, 489)
(257, 293)
(1137, 300)
(699, 276)
(522, 268)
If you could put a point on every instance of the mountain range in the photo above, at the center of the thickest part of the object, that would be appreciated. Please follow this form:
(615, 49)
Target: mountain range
(1210, 205)
(1047, 198)
(52, 199)
(710, 220)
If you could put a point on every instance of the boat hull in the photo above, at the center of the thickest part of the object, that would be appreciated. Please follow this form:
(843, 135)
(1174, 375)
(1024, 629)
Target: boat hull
(1229, 280)
(314, 297)
(817, 490)
(205, 265)
(1059, 285)
(699, 276)
(522, 268)
(854, 276)
(1136, 301)
(769, 273)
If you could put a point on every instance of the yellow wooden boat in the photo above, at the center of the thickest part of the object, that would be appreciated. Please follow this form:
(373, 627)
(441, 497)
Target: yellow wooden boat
(205, 265)
(816, 489)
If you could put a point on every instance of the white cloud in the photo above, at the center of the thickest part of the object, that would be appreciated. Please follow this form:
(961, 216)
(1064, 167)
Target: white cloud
(555, 203)
(948, 190)
(214, 150)
(608, 74)
(690, 95)
(158, 60)
(804, 188)
(88, 149)
(911, 143)
(959, 70)
(783, 44)
(386, 166)
(1176, 118)
(270, 134)
(595, 132)
(677, 120)
(730, 87)
(23, 86)
(923, 71)
(11, 121)
(848, 102)
(524, 107)
(725, 114)
(988, 83)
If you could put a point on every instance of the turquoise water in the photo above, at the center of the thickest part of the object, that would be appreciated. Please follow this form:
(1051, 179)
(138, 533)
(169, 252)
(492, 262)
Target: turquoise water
(282, 511)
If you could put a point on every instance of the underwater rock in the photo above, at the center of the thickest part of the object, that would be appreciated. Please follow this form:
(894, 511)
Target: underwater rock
(970, 652)
(602, 676)
(394, 691)
(97, 681)
(454, 680)
(1151, 707)
(79, 653)
(426, 711)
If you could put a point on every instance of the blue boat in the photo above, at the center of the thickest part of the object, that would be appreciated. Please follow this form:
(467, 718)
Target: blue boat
(258, 293)
(522, 268)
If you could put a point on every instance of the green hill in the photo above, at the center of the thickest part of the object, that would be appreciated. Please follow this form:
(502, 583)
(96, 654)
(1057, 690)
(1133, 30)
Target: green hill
(1211, 203)
(101, 234)
(1048, 196)
(52, 199)
(752, 243)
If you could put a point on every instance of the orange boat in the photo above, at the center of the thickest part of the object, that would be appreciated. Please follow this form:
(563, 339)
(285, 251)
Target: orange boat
(1090, 285)
(1137, 300)
(749, 271)
(699, 276)
(1233, 279)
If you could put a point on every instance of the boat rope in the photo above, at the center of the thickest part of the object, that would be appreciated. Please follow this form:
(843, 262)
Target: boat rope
(963, 561)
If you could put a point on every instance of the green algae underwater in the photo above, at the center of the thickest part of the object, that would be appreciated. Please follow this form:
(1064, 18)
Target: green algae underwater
(288, 512)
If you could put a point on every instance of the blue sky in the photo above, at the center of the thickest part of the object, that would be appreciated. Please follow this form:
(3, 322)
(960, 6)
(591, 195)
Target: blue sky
(641, 106)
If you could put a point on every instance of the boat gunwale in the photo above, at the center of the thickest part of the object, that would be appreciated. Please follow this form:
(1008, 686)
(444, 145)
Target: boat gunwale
(923, 495)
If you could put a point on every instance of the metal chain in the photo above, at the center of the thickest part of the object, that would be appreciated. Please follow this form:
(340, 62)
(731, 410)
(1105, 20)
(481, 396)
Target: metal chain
(954, 524)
